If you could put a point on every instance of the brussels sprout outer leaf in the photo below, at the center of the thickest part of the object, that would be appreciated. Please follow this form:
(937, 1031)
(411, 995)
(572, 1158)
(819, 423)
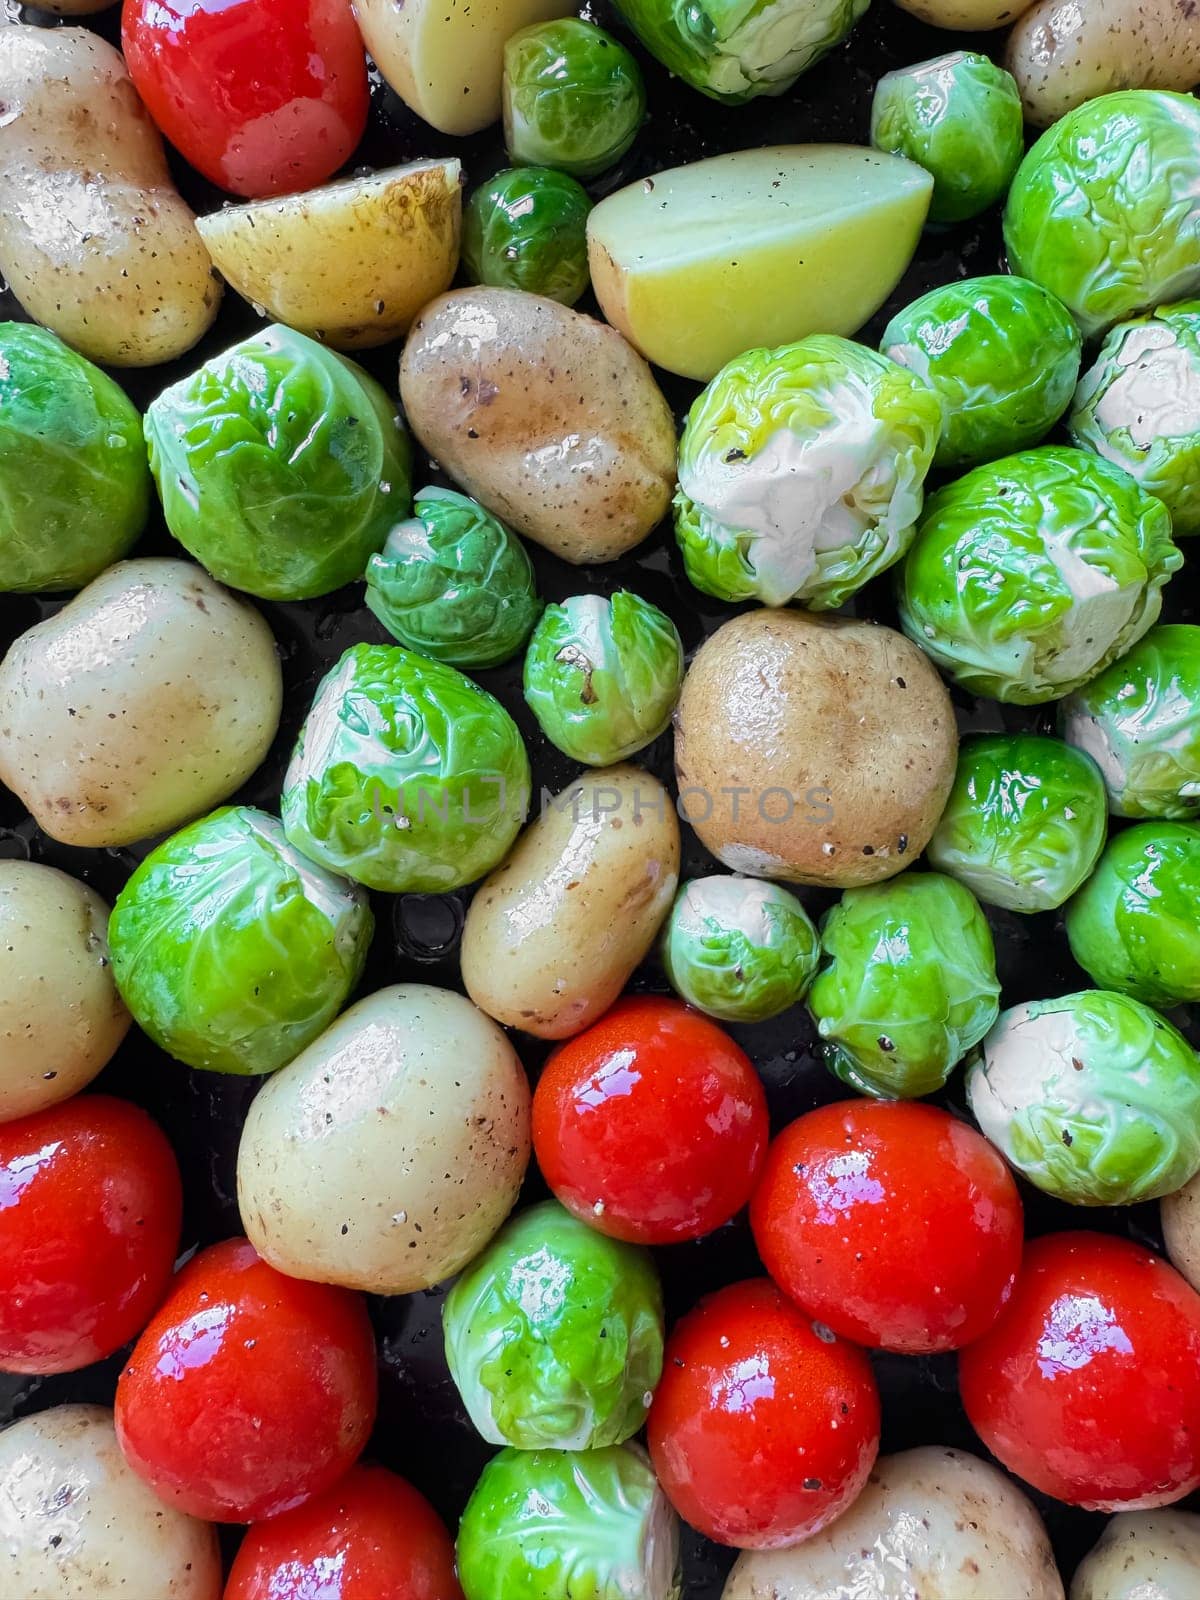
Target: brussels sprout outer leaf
(527, 229)
(739, 949)
(573, 97)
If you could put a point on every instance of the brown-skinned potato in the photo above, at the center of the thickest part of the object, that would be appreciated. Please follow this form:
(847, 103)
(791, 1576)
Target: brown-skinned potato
(965, 16)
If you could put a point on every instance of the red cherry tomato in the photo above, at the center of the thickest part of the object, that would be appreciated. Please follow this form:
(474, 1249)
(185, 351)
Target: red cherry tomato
(652, 1124)
(891, 1222)
(262, 96)
(370, 1537)
(249, 1392)
(90, 1206)
(763, 1428)
(1088, 1386)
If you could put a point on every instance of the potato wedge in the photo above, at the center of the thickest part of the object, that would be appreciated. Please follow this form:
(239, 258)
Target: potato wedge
(967, 16)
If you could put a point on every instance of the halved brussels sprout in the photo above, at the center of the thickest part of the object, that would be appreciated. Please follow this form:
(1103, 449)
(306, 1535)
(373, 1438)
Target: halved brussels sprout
(739, 948)
(1092, 1097)
(573, 97)
(1024, 823)
(554, 1335)
(406, 775)
(454, 583)
(280, 464)
(801, 472)
(232, 950)
(958, 116)
(1029, 575)
(527, 229)
(907, 984)
(1002, 353)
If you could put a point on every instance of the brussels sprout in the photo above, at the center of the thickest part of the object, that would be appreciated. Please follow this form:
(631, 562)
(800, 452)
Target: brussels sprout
(801, 472)
(1140, 723)
(1105, 209)
(573, 97)
(1024, 823)
(1138, 405)
(1093, 1097)
(1029, 575)
(958, 116)
(233, 951)
(602, 676)
(738, 948)
(527, 229)
(454, 583)
(74, 481)
(406, 775)
(907, 984)
(555, 1525)
(1002, 353)
(280, 464)
(554, 1335)
(1135, 924)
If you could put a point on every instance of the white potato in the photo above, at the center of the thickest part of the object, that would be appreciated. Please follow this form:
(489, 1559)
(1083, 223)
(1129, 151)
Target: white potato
(143, 703)
(1181, 1229)
(1143, 1555)
(77, 1524)
(968, 16)
(388, 1153)
(554, 933)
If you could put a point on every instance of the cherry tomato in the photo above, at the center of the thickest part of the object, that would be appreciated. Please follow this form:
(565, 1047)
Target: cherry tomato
(262, 96)
(90, 1207)
(651, 1125)
(764, 1427)
(891, 1222)
(249, 1392)
(1088, 1386)
(370, 1537)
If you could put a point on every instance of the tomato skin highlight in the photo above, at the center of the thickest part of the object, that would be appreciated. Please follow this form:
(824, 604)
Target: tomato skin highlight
(651, 1125)
(892, 1222)
(249, 1392)
(763, 1428)
(90, 1210)
(1088, 1386)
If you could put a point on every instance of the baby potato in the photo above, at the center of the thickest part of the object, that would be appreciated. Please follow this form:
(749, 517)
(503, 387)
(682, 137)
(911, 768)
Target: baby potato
(554, 933)
(1181, 1230)
(967, 16)
(145, 702)
(1143, 1555)
(388, 1153)
(95, 240)
(544, 415)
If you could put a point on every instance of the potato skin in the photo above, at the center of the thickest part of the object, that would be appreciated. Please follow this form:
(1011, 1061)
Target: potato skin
(1181, 1230)
(548, 417)
(554, 933)
(966, 16)
(1142, 1555)
(94, 238)
(839, 734)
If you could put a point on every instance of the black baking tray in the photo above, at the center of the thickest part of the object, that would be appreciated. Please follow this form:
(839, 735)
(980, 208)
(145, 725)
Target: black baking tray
(423, 1431)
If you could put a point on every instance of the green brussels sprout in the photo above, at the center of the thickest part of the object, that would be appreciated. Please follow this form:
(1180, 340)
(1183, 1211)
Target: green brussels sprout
(1029, 575)
(281, 465)
(1138, 405)
(602, 676)
(907, 984)
(1092, 1097)
(801, 472)
(1135, 924)
(1105, 209)
(1002, 353)
(527, 229)
(454, 583)
(1024, 823)
(573, 97)
(232, 950)
(406, 775)
(1140, 723)
(74, 480)
(958, 116)
(557, 1525)
(554, 1335)
(739, 948)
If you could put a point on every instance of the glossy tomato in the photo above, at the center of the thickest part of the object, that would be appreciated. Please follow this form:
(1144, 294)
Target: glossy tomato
(764, 1427)
(652, 1124)
(90, 1206)
(891, 1222)
(1088, 1386)
(262, 96)
(249, 1392)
